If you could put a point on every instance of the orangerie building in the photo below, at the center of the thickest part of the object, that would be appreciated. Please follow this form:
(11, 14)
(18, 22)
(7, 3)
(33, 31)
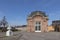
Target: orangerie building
(37, 21)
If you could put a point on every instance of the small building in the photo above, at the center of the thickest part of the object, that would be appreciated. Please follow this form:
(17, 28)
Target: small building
(56, 25)
(37, 21)
(21, 28)
(50, 28)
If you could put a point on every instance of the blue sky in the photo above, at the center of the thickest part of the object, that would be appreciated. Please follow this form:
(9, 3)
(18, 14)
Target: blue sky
(16, 11)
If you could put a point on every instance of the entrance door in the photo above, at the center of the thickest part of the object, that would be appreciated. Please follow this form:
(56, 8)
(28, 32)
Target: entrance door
(37, 27)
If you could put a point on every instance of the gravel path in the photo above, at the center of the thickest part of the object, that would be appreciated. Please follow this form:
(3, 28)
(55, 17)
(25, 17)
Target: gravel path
(41, 36)
(16, 36)
(33, 36)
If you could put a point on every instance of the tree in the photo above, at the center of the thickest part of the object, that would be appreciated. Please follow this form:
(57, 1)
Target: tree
(4, 24)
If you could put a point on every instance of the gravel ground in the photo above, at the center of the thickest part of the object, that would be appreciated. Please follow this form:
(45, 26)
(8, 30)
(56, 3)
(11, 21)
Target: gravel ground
(32, 36)
(41, 36)
(14, 37)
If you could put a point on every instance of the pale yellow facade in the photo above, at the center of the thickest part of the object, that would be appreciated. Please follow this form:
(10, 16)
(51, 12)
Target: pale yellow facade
(50, 28)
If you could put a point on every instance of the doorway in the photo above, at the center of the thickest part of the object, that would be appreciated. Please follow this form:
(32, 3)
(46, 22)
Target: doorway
(37, 27)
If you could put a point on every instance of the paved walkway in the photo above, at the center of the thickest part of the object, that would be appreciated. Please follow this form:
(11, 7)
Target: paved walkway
(41, 36)
(33, 36)
(14, 37)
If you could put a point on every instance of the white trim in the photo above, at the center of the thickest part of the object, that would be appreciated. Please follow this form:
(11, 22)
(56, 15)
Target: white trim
(37, 31)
